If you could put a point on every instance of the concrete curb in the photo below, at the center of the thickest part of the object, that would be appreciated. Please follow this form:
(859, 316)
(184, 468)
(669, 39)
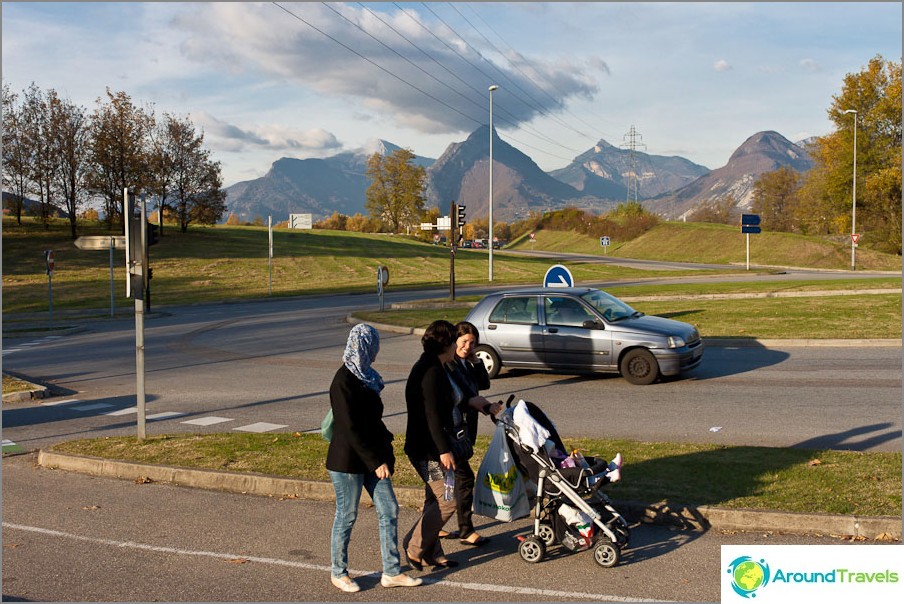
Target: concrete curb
(884, 528)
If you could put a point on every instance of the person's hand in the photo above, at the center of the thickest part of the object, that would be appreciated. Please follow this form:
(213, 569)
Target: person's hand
(383, 472)
(447, 461)
(496, 408)
(478, 402)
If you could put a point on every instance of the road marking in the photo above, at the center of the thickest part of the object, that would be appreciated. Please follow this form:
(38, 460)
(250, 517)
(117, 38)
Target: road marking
(165, 415)
(90, 407)
(207, 421)
(260, 427)
(126, 411)
(67, 401)
(530, 591)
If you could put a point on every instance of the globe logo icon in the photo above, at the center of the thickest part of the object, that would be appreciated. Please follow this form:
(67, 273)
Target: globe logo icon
(748, 575)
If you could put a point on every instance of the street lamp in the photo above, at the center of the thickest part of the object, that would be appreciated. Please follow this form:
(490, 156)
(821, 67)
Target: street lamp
(490, 238)
(854, 194)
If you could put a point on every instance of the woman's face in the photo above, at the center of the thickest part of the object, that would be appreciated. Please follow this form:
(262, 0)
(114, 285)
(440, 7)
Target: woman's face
(464, 346)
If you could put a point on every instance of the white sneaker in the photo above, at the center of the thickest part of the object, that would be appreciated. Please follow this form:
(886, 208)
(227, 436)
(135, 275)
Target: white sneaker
(345, 583)
(400, 580)
(616, 462)
(614, 475)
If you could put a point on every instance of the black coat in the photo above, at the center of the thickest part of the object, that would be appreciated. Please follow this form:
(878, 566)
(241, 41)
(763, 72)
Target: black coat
(471, 378)
(429, 397)
(361, 443)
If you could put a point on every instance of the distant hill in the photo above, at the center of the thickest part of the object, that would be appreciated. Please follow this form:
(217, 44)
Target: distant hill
(308, 186)
(519, 185)
(607, 171)
(763, 152)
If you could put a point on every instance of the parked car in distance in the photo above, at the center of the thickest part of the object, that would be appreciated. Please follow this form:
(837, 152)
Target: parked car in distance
(581, 329)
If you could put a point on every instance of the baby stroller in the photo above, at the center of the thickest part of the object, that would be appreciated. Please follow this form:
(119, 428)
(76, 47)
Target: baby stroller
(570, 508)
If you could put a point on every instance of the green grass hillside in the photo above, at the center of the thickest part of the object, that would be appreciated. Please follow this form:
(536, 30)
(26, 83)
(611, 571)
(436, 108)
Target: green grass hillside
(229, 263)
(719, 244)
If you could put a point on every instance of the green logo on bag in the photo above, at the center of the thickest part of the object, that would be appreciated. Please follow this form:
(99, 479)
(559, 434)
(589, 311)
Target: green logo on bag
(501, 483)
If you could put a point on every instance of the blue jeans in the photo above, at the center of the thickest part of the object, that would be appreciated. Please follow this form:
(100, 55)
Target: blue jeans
(348, 495)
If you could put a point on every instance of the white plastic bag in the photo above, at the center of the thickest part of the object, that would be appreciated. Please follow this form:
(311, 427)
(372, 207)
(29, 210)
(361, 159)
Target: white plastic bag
(499, 490)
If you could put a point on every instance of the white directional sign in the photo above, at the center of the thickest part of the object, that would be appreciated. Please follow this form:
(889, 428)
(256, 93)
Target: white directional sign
(604, 241)
(558, 276)
(100, 242)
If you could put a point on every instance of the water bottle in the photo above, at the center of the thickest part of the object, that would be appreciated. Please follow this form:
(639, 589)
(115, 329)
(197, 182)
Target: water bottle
(449, 484)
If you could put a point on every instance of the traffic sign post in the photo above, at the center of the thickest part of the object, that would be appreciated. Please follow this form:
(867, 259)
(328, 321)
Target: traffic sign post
(604, 241)
(104, 242)
(382, 280)
(51, 263)
(855, 239)
(750, 224)
(558, 276)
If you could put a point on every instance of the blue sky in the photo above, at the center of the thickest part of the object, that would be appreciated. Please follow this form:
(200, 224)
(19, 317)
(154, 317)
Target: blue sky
(271, 80)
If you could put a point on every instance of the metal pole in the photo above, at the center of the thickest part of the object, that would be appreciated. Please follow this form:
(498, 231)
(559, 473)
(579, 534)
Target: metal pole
(270, 253)
(112, 302)
(854, 198)
(453, 217)
(490, 238)
(50, 295)
(748, 251)
(139, 329)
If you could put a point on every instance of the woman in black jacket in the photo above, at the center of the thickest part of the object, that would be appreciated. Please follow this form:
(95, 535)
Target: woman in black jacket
(430, 398)
(471, 376)
(360, 456)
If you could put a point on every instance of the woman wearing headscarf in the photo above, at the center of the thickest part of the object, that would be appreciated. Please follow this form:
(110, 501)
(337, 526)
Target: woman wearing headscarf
(360, 456)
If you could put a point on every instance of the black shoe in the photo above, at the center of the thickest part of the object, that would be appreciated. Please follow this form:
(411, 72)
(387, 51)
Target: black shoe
(414, 562)
(446, 563)
(452, 535)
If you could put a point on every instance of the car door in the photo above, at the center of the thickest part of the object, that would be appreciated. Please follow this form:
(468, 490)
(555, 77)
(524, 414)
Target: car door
(513, 327)
(568, 341)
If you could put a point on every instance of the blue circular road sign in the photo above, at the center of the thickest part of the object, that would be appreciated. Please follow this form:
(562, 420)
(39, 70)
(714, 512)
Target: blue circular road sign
(558, 276)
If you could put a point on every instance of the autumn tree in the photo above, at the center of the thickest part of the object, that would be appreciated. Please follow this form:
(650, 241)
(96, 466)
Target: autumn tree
(119, 150)
(396, 191)
(16, 155)
(775, 198)
(723, 211)
(42, 161)
(875, 94)
(70, 141)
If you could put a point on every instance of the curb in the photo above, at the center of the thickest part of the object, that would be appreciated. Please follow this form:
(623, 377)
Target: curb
(882, 528)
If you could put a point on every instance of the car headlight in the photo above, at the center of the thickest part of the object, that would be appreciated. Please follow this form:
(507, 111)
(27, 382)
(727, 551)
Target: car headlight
(676, 342)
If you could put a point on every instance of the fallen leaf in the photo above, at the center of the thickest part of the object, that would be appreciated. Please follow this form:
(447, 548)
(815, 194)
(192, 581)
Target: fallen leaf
(143, 480)
(885, 537)
(238, 561)
(297, 434)
(814, 462)
(89, 508)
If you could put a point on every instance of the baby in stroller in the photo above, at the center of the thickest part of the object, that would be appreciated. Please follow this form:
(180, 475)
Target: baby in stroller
(570, 508)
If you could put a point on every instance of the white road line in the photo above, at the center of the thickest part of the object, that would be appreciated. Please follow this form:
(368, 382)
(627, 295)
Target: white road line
(207, 421)
(514, 589)
(126, 411)
(90, 407)
(165, 415)
(67, 401)
(260, 427)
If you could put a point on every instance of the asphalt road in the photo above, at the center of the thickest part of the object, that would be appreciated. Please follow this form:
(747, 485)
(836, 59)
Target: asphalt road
(70, 537)
(272, 362)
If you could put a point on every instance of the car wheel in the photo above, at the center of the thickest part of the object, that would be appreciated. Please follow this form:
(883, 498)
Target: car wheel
(490, 359)
(639, 367)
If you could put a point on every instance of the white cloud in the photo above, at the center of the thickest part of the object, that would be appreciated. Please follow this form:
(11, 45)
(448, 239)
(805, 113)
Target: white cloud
(229, 137)
(722, 65)
(810, 65)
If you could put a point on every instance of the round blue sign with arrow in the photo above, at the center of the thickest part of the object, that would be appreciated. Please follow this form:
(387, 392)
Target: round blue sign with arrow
(558, 276)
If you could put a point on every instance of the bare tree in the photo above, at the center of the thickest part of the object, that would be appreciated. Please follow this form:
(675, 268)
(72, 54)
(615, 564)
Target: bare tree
(16, 155)
(70, 144)
(120, 139)
(42, 164)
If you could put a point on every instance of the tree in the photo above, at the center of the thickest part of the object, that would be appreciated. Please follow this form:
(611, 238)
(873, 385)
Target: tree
(875, 93)
(775, 198)
(723, 211)
(396, 191)
(43, 162)
(185, 172)
(70, 142)
(16, 154)
(119, 151)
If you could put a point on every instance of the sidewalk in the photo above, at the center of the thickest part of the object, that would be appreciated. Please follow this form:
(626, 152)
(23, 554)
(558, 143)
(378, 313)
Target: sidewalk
(881, 528)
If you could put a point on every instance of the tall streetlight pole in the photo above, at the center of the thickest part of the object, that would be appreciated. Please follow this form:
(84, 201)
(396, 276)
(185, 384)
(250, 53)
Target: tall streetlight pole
(854, 194)
(490, 238)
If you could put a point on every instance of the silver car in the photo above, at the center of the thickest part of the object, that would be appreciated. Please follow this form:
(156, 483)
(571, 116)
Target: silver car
(582, 329)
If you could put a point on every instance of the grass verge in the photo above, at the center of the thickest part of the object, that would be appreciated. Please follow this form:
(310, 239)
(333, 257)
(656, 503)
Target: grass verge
(793, 480)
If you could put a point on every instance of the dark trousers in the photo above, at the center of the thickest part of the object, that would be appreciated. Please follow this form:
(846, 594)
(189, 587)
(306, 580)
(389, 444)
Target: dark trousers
(464, 501)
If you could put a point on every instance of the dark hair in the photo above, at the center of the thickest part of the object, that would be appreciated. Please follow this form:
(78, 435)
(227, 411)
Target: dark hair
(466, 328)
(438, 336)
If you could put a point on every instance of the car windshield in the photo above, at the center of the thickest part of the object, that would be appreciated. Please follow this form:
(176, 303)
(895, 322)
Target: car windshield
(609, 306)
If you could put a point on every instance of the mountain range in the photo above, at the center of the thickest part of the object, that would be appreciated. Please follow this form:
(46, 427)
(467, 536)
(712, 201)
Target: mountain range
(597, 180)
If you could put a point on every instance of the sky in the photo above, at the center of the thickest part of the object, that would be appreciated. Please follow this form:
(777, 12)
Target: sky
(306, 79)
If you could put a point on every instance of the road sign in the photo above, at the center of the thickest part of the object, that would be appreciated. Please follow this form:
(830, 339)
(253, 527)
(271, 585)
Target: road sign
(48, 256)
(750, 229)
(100, 242)
(558, 276)
(604, 241)
(855, 238)
(531, 236)
(750, 219)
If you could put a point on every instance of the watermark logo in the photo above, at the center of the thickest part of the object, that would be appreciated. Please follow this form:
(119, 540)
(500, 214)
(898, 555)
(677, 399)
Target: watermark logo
(748, 575)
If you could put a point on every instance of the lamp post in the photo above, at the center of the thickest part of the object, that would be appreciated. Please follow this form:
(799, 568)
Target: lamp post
(854, 193)
(490, 237)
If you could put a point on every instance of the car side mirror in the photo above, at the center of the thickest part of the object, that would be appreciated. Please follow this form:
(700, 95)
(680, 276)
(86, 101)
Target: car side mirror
(592, 324)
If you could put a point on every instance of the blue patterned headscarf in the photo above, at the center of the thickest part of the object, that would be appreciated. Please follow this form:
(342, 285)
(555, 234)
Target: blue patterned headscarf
(360, 352)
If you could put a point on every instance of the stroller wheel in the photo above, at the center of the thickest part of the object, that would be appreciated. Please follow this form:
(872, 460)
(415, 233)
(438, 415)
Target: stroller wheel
(606, 554)
(532, 549)
(546, 534)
